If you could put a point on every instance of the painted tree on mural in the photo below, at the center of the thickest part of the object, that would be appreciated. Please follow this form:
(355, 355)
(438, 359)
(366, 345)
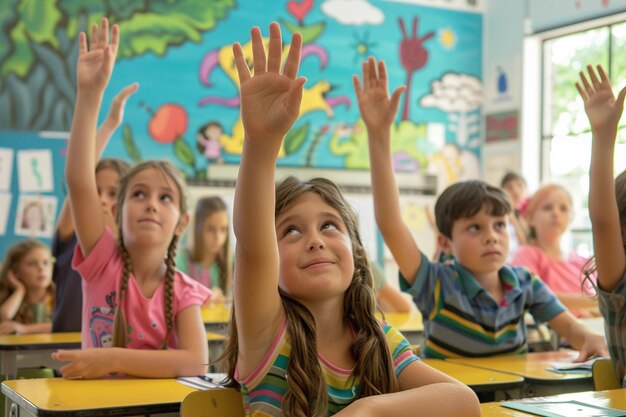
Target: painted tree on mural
(39, 44)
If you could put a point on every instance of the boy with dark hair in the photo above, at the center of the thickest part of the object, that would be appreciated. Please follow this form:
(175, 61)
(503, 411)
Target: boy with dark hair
(474, 306)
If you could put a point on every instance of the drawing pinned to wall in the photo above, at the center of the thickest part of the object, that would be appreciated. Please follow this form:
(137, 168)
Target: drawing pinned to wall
(35, 215)
(502, 126)
(5, 205)
(6, 168)
(35, 171)
(502, 84)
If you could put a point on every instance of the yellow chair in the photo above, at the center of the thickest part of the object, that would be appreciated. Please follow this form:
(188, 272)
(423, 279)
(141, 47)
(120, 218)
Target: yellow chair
(223, 402)
(604, 375)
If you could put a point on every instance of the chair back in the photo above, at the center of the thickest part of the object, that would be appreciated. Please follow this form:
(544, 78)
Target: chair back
(604, 375)
(223, 402)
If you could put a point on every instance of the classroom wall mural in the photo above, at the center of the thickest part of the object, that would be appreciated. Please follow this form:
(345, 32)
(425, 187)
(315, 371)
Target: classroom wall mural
(187, 107)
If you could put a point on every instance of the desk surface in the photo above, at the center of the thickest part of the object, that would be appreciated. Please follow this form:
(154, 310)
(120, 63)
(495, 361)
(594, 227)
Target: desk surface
(405, 322)
(476, 378)
(215, 313)
(57, 396)
(612, 399)
(57, 340)
(531, 366)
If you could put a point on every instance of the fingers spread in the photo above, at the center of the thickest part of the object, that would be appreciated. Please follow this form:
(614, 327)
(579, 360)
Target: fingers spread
(274, 49)
(293, 59)
(258, 52)
(242, 67)
(582, 93)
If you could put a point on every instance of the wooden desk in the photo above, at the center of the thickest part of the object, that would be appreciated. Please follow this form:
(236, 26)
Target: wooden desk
(35, 350)
(409, 324)
(532, 367)
(612, 399)
(216, 317)
(57, 397)
(480, 380)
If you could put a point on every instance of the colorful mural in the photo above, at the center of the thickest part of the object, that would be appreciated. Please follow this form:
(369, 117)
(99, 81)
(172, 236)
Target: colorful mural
(187, 107)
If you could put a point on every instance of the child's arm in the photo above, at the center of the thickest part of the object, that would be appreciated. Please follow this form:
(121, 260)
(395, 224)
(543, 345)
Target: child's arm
(94, 68)
(270, 104)
(421, 388)
(14, 327)
(189, 359)
(391, 300)
(12, 304)
(604, 112)
(378, 111)
(65, 225)
(581, 338)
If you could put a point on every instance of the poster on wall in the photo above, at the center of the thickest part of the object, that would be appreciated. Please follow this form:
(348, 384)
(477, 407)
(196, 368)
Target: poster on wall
(35, 215)
(187, 108)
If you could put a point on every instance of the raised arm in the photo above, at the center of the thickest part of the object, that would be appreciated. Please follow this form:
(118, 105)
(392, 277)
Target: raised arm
(94, 68)
(378, 111)
(65, 225)
(604, 112)
(270, 104)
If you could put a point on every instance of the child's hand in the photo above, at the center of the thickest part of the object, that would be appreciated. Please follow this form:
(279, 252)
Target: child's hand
(84, 363)
(11, 327)
(593, 345)
(217, 296)
(116, 112)
(13, 282)
(96, 62)
(270, 101)
(602, 109)
(377, 109)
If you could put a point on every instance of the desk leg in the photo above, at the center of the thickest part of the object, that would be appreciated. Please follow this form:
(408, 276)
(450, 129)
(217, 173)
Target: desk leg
(8, 364)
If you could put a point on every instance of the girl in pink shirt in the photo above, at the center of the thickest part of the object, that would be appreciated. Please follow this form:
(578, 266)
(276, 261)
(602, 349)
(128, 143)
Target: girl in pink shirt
(549, 214)
(135, 303)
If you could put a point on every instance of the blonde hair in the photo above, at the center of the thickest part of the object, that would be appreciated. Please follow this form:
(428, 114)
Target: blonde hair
(373, 360)
(119, 323)
(13, 257)
(205, 207)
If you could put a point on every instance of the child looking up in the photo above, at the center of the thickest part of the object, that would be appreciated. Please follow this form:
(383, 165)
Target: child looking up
(475, 305)
(134, 299)
(607, 208)
(208, 260)
(26, 289)
(69, 294)
(305, 340)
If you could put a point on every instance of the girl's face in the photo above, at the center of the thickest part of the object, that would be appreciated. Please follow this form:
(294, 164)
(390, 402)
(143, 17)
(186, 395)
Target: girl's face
(516, 189)
(214, 232)
(553, 215)
(34, 218)
(107, 181)
(316, 262)
(151, 209)
(34, 270)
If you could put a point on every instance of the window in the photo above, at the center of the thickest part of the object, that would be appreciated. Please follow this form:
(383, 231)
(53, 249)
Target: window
(565, 146)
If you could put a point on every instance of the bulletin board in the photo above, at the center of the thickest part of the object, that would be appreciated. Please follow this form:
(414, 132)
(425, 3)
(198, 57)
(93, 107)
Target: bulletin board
(32, 187)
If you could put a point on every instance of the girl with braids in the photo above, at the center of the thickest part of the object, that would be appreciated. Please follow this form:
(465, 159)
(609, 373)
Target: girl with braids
(26, 289)
(304, 339)
(607, 209)
(133, 297)
(208, 260)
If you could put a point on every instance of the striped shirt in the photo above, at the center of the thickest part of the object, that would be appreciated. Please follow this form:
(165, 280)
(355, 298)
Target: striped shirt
(462, 319)
(613, 309)
(264, 389)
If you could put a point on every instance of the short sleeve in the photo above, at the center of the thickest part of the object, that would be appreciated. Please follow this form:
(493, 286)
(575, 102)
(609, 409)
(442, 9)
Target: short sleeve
(423, 286)
(99, 259)
(401, 351)
(189, 292)
(543, 304)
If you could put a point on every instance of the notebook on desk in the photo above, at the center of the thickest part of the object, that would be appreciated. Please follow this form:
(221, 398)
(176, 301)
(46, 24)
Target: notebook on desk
(206, 381)
(542, 406)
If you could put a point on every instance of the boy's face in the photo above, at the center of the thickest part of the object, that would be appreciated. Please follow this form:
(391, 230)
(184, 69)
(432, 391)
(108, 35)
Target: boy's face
(480, 243)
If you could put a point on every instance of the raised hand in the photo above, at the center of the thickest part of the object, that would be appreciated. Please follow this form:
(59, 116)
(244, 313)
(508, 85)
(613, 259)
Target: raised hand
(603, 110)
(116, 111)
(96, 61)
(270, 100)
(378, 110)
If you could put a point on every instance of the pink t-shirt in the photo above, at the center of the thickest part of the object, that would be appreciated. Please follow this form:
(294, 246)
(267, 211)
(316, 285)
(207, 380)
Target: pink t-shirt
(564, 276)
(145, 317)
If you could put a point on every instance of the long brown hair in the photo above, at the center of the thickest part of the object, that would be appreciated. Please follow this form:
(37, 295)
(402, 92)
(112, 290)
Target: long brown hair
(373, 361)
(205, 207)
(119, 323)
(13, 257)
(589, 268)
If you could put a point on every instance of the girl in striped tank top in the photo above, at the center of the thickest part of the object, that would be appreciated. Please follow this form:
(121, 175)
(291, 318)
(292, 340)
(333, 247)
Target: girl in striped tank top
(305, 341)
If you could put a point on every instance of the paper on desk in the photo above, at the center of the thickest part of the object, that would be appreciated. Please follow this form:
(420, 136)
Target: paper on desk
(206, 381)
(572, 367)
